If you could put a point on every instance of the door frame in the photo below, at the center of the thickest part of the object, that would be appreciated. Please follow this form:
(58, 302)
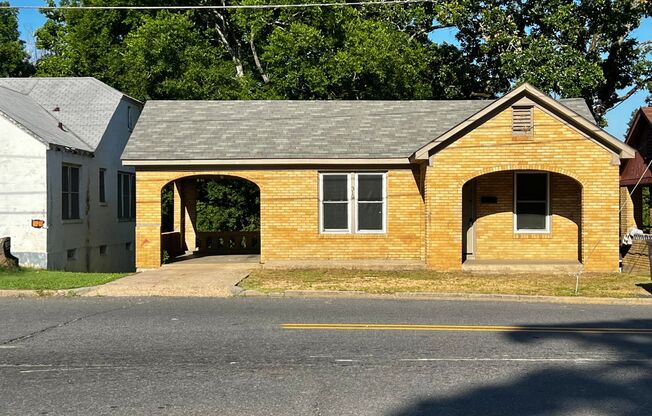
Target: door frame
(469, 221)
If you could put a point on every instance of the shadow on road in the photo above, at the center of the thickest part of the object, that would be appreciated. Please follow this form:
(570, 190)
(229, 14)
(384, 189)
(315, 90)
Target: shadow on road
(619, 383)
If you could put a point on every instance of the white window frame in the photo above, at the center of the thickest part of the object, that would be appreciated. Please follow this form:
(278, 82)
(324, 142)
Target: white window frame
(352, 203)
(348, 203)
(547, 230)
(384, 202)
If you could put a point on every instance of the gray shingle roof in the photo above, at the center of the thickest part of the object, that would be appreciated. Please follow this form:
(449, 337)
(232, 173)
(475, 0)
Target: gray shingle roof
(26, 112)
(86, 106)
(231, 130)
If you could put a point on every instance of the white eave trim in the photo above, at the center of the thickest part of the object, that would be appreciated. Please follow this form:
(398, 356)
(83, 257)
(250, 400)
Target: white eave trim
(265, 162)
(624, 151)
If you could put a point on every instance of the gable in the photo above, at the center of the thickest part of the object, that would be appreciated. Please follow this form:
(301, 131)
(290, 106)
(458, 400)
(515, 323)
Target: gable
(528, 95)
(550, 138)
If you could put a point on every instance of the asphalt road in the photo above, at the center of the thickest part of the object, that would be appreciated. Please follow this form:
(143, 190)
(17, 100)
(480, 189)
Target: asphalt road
(87, 356)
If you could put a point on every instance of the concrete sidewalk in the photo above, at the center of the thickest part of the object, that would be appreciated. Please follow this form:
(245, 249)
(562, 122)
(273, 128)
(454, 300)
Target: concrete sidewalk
(187, 278)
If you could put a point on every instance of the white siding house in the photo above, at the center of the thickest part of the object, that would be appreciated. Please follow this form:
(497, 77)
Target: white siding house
(60, 146)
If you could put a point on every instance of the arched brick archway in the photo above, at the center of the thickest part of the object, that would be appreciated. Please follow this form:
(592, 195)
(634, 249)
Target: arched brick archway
(498, 225)
(149, 184)
(185, 229)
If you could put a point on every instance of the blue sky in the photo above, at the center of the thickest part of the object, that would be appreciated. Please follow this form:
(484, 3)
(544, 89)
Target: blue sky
(30, 20)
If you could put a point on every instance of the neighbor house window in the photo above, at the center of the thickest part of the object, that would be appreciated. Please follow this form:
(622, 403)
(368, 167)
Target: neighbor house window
(69, 192)
(353, 202)
(102, 186)
(126, 196)
(532, 202)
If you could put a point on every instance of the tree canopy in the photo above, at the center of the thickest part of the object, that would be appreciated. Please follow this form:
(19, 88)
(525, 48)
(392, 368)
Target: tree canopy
(13, 57)
(568, 48)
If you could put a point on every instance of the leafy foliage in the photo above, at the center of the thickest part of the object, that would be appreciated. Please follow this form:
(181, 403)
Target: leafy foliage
(14, 61)
(227, 204)
(223, 204)
(564, 47)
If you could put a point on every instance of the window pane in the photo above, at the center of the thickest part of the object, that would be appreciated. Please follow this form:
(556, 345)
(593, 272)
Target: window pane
(102, 190)
(64, 178)
(74, 179)
(531, 216)
(74, 206)
(532, 187)
(370, 187)
(336, 216)
(370, 216)
(334, 188)
(65, 204)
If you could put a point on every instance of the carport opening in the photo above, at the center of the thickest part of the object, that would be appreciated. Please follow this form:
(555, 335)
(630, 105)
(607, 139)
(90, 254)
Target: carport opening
(210, 216)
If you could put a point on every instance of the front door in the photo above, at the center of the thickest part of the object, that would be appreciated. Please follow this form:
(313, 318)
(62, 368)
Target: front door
(468, 221)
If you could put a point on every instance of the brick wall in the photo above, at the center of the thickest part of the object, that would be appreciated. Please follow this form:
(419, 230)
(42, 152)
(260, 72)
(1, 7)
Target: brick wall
(290, 210)
(290, 217)
(554, 147)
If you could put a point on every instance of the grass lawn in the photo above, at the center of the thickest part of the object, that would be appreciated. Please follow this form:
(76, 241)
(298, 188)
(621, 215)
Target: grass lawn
(36, 279)
(562, 284)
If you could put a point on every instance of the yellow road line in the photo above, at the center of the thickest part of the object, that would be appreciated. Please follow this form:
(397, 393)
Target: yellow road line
(464, 328)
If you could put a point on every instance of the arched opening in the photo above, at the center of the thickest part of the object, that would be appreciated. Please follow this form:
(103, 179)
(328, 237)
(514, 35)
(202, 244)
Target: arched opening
(216, 215)
(522, 216)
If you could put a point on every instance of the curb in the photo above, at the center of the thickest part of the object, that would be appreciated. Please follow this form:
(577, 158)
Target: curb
(8, 293)
(579, 300)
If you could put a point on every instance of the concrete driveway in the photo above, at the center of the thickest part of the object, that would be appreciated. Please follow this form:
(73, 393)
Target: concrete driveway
(211, 276)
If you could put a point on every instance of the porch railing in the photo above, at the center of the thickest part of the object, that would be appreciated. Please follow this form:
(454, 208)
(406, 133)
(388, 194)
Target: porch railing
(171, 243)
(231, 242)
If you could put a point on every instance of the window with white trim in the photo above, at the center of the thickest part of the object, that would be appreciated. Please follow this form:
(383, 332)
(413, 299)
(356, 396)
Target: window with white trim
(353, 202)
(531, 202)
(70, 192)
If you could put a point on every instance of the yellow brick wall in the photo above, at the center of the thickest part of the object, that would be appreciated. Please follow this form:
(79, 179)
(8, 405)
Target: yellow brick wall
(290, 217)
(554, 147)
(495, 238)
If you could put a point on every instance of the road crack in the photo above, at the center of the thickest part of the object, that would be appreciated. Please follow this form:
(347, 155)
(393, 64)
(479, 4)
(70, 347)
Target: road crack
(59, 325)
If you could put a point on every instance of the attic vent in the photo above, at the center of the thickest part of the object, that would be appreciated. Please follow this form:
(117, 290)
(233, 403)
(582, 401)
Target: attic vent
(522, 122)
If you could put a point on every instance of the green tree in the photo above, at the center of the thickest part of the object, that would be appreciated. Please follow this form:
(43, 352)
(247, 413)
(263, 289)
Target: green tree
(568, 48)
(14, 60)
(227, 204)
(167, 57)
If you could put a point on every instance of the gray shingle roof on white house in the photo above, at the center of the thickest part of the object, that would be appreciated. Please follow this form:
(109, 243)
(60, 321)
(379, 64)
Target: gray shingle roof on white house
(25, 112)
(232, 130)
(84, 106)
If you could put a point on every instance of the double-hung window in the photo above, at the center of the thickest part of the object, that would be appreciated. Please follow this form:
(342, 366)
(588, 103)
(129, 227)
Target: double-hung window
(102, 186)
(531, 202)
(70, 192)
(126, 196)
(353, 202)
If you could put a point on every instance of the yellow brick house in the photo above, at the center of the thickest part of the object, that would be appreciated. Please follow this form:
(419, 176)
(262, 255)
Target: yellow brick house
(447, 185)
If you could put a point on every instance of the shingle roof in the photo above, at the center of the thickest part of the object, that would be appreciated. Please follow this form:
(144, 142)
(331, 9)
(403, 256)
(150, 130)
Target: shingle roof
(26, 112)
(85, 105)
(232, 130)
